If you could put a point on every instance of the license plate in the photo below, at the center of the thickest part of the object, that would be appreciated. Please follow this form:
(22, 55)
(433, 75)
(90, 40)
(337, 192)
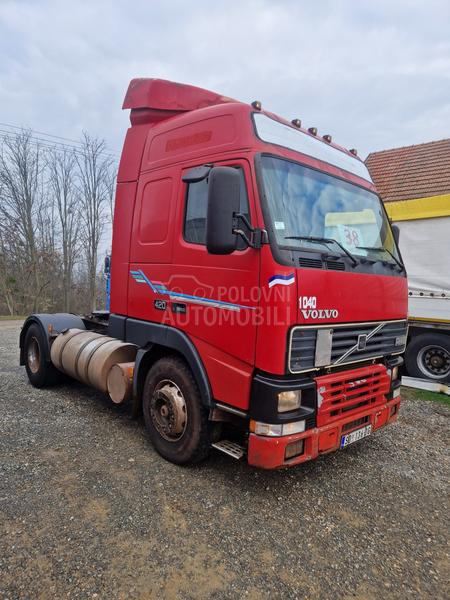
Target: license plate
(354, 436)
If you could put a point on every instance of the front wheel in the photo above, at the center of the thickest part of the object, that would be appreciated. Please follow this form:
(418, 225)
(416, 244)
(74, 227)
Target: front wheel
(428, 355)
(175, 418)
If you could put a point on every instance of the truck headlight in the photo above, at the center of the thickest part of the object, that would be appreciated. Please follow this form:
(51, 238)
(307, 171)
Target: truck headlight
(277, 429)
(290, 400)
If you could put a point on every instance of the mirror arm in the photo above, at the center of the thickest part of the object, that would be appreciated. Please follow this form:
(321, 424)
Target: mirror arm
(244, 237)
(246, 221)
(258, 237)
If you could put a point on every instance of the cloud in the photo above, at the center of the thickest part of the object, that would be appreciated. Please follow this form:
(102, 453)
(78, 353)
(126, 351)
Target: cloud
(374, 75)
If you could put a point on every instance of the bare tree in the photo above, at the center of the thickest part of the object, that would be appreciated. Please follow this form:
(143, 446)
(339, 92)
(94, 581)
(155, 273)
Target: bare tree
(61, 167)
(21, 208)
(7, 280)
(54, 205)
(94, 165)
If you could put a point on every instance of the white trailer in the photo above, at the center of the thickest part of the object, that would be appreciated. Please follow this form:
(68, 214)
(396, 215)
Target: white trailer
(424, 226)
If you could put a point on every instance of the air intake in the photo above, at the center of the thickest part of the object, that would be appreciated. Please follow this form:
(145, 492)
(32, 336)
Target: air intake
(335, 265)
(310, 263)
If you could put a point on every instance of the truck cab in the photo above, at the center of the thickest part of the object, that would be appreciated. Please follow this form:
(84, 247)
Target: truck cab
(255, 270)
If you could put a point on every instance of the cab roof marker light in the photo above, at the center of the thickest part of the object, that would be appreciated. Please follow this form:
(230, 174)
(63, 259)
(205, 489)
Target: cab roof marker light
(257, 105)
(296, 123)
(313, 130)
(353, 151)
(327, 138)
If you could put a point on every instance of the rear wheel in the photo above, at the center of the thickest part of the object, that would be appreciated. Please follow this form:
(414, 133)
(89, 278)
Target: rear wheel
(428, 355)
(175, 418)
(40, 372)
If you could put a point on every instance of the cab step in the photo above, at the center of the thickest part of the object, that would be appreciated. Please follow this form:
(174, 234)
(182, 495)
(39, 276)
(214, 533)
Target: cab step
(231, 448)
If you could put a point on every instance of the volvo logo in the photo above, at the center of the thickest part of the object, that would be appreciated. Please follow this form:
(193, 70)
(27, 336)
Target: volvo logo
(361, 344)
(362, 341)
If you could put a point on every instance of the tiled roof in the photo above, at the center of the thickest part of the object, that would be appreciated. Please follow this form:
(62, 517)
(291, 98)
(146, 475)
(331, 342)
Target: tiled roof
(412, 171)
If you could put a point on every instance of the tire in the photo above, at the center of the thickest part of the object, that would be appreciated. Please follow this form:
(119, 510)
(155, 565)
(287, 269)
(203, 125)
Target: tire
(428, 356)
(176, 421)
(41, 372)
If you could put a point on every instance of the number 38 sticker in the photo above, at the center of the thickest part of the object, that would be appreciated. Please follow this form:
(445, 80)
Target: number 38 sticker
(350, 236)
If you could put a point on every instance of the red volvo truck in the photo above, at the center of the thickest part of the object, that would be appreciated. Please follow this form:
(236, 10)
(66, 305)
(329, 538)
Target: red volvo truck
(258, 297)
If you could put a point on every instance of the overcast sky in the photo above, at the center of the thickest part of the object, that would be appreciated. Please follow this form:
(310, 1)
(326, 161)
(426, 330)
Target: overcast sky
(374, 74)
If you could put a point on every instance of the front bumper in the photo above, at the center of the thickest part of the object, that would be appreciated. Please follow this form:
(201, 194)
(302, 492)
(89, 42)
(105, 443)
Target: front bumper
(269, 452)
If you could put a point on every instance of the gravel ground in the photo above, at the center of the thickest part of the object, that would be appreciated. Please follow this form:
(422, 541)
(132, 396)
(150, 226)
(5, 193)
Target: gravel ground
(89, 510)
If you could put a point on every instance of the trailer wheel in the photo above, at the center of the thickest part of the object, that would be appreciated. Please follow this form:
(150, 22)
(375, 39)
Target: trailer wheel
(428, 355)
(175, 418)
(40, 371)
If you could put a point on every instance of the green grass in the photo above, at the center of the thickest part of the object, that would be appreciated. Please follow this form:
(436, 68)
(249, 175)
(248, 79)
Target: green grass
(412, 394)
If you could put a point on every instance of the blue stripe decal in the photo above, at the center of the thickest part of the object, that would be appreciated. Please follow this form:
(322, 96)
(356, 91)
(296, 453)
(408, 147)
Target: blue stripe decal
(209, 300)
(160, 288)
(147, 280)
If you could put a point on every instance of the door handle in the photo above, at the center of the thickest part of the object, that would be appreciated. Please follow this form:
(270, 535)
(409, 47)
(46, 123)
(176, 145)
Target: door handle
(179, 307)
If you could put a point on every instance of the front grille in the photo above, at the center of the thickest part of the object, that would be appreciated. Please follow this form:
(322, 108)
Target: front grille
(303, 348)
(342, 394)
(389, 340)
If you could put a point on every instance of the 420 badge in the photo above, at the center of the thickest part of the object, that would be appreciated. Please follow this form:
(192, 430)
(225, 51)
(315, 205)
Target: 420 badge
(309, 310)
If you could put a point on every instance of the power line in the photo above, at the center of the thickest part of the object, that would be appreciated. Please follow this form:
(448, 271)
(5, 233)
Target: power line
(53, 145)
(50, 135)
(39, 132)
(55, 148)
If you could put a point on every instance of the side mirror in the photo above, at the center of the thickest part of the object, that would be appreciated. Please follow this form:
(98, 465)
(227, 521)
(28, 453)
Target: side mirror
(223, 203)
(396, 233)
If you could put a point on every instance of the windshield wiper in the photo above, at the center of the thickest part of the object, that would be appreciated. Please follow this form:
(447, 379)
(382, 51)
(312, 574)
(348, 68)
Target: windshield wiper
(381, 249)
(320, 240)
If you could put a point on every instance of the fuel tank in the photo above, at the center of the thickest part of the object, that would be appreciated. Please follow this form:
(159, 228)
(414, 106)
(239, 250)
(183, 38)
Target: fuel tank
(89, 357)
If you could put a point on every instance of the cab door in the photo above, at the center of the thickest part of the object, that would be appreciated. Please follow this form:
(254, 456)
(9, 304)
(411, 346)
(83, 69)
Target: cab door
(151, 244)
(218, 299)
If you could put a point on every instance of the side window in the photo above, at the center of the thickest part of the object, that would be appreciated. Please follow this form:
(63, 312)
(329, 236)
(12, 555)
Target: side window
(196, 206)
(195, 219)
(155, 211)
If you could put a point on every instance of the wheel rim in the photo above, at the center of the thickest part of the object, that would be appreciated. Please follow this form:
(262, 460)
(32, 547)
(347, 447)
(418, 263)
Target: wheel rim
(34, 355)
(434, 361)
(168, 411)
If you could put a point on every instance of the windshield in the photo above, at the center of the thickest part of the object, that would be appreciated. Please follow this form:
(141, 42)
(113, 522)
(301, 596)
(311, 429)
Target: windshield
(304, 203)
